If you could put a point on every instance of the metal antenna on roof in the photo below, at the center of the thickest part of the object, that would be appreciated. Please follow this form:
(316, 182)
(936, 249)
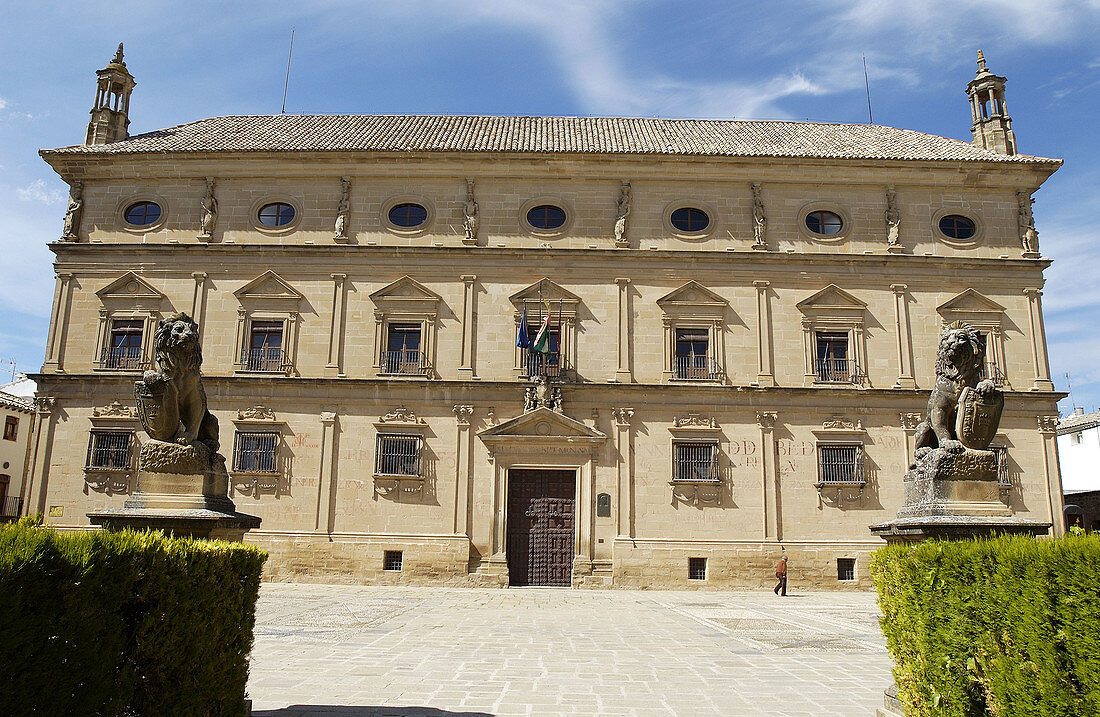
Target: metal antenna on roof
(287, 83)
(867, 84)
(1069, 390)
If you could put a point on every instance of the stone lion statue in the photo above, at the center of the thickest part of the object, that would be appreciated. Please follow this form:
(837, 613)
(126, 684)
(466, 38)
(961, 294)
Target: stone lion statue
(171, 399)
(959, 361)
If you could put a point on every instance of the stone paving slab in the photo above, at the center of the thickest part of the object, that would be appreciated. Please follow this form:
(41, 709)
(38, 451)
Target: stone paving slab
(374, 651)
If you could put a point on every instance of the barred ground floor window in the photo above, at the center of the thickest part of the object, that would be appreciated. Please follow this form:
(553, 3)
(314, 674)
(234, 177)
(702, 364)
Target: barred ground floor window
(695, 461)
(255, 452)
(840, 463)
(398, 455)
(110, 450)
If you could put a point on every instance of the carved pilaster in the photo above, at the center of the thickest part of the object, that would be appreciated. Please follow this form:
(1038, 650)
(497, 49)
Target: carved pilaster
(904, 337)
(58, 324)
(463, 468)
(1038, 340)
(769, 478)
(334, 366)
(326, 483)
(765, 374)
(469, 297)
(624, 516)
(622, 373)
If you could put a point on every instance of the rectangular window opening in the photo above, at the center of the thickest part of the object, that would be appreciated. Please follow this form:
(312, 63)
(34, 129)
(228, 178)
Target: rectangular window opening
(398, 455)
(391, 560)
(110, 450)
(403, 353)
(845, 569)
(538, 363)
(693, 359)
(264, 352)
(123, 350)
(255, 452)
(833, 364)
(840, 463)
(697, 568)
(11, 428)
(695, 462)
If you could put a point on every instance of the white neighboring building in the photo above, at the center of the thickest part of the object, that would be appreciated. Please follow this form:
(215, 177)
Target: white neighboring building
(1079, 451)
(17, 421)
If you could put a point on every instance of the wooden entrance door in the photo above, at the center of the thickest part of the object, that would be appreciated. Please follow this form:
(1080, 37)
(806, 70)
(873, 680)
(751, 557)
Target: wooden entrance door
(540, 526)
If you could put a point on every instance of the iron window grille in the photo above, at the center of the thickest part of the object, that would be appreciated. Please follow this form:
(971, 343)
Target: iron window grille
(845, 569)
(11, 428)
(392, 560)
(697, 568)
(11, 506)
(124, 349)
(255, 452)
(693, 361)
(695, 462)
(110, 451)
(398, 455)
(264, 354)
(1004, 480)
(840, 464)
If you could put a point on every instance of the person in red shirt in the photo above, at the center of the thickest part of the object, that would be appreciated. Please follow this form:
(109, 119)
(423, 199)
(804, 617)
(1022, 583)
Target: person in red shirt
(781, 576)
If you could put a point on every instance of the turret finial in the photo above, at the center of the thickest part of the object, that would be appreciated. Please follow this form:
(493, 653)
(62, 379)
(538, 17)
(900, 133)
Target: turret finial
(981, 63)
(118, 55)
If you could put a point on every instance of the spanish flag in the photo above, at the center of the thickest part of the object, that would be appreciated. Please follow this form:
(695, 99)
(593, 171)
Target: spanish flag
(541, 344)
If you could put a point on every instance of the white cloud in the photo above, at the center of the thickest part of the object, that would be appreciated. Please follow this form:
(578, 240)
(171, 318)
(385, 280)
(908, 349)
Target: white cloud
(37, 191)
(3, 103)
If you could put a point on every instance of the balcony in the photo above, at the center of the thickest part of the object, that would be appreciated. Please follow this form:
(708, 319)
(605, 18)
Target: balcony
(121, 358)
(537, 364)
(266, 360)
(695, 368)
(10, 508)
(991, 371)
(834, 370)
(404, 363)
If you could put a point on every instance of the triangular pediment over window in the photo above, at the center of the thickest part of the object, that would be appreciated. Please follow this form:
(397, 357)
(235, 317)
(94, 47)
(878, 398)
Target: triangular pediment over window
(130, 287)
(969, 302)
(831, 298)
(408, 295)
(268, 286)
(542, 424)
(692, 296)
(545, 290)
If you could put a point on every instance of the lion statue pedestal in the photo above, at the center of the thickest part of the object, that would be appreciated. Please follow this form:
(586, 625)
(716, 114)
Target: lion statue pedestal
(952, 488)
(182, 485)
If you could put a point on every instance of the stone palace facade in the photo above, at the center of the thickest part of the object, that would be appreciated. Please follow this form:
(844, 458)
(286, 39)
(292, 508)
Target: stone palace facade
(742, 316)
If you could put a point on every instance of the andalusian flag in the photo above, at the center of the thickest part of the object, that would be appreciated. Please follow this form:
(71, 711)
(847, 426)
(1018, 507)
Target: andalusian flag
(541, 344)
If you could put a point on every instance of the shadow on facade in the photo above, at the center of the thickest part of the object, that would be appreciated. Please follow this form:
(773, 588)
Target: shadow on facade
(362, 711)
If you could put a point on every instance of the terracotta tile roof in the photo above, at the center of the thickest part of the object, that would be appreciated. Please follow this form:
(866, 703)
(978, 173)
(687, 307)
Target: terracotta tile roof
(449, 133)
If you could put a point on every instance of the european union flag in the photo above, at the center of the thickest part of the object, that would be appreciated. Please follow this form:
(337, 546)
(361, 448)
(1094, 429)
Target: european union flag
(522, 339)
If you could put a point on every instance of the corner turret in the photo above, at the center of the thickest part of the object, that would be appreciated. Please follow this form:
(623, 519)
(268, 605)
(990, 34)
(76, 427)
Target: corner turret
(991, 125)
(110, 113)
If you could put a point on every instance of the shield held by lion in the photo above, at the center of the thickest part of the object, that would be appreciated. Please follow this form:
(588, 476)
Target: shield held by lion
(979, 414)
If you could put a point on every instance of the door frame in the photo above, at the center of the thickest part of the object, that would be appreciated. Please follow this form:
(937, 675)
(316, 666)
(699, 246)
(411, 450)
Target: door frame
(576, 477)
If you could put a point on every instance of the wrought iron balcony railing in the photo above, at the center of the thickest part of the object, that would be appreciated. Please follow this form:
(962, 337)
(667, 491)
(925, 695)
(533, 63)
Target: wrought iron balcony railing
(122, 358)
(993, 372)
(11, 506)
(696, 368)
(537, 364)
(404, 363)
(834, 370)
(270, 360)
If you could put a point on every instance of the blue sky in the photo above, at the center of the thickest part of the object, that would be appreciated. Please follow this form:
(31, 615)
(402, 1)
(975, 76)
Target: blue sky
(787, 59)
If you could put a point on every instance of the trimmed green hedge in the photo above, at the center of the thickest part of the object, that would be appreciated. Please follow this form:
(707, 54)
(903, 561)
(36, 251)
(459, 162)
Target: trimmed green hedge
(1004, 626)
(124, 623)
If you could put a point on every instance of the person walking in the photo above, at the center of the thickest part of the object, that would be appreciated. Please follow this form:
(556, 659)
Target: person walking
(781, 577)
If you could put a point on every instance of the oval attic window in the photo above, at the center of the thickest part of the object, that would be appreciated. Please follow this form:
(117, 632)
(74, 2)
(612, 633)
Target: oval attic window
(690, 220)
(276, 214)
(956, 226)
(546, 216)
(407, 215)
(823, 222)
(142, 214)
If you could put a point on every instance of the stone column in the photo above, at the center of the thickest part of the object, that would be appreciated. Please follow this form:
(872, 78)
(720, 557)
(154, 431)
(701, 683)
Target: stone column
(469, 298)
(668, 348)
(463, 454)
(765, 374)
(1038, 340)
(38, 474)
(58, 323)
(810, 356)
(334, 366)
(326, 479)
(769, 475)
(624, 516)
(904, 335)
(242, 337)
(198, 300)
(909, 423)
(379, 341)
(1048, 426)
(622, 373)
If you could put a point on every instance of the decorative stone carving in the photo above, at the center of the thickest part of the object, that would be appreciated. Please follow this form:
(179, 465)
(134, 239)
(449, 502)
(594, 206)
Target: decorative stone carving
(463, 413)
(343, 211)
(328, 416)
(1029, 236)
(472, 215)
(759, 220)
(256, 413)
(622, 416)
(837, 423)
(621, 213)
(910, 421)
(541, 394)
(73, 212)
(209, 206)
(401, 415)
(767, 419)
(114, 409)
(171, 400)
(44, 404)
(1048, 424)
(893, 221)
(694, 420)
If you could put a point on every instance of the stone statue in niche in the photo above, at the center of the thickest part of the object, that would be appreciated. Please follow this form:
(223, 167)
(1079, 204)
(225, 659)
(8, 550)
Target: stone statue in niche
(73, 212)
(209, 205)
(540, 394)
(621, 213)
(471, 215)
(759, 220)
(1029, 237)
(343, 210)
(893, 221)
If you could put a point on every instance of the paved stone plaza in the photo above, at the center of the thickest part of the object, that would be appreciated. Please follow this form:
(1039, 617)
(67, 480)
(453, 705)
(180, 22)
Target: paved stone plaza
(351, 651)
